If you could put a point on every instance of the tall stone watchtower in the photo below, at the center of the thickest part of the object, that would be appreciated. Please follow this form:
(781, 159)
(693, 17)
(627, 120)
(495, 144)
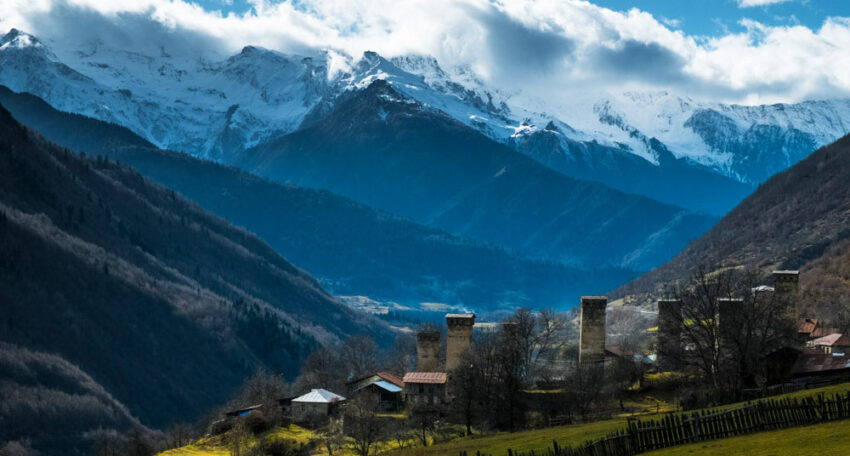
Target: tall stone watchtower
(592, 330)
(786, 285)
(728, 310)
(459, 337)
(669, 336)
(428, 351)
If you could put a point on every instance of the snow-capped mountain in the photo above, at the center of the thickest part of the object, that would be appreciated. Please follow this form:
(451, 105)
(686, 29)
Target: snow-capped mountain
(217, 108)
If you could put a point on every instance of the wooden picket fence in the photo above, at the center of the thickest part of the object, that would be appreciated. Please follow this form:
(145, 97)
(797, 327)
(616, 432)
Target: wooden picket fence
(641, 436)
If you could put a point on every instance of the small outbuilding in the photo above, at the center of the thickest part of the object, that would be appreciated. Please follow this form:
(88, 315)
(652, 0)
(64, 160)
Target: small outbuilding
(318, 403)
(386, 386)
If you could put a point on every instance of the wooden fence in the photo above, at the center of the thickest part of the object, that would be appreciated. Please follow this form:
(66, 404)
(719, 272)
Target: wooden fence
(641, 436)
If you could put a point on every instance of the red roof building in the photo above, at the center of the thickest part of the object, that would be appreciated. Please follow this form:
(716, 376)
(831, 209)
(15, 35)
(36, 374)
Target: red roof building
(425, 389)
(425, 377)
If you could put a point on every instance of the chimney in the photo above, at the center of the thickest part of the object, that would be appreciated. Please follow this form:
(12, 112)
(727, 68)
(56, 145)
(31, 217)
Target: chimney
(428, 351)
(592, 331)
(669, 336)
(787, 288)
(459, 337)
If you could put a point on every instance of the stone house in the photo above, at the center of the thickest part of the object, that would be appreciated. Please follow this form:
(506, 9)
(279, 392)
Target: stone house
(318, 403)
(424, 388)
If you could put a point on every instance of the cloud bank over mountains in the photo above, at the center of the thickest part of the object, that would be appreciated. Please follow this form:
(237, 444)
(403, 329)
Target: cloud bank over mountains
(541, 47)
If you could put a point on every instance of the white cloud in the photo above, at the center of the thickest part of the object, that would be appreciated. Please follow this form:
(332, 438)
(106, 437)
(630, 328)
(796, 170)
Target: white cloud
(547, 46)
(751, 3)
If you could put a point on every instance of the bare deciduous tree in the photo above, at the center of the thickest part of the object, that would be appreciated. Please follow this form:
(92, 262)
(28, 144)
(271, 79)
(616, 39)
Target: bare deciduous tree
(362, 423)
(727, 347)
(360, 355)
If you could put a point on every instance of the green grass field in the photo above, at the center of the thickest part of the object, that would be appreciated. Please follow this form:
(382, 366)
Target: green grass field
(537, 440)
(213, 446)
(821, 439)
(540, 439)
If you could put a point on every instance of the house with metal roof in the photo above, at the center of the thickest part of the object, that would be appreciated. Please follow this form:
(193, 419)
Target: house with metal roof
(425, 388)
(318, 403)
(384, 385)
(833, 343)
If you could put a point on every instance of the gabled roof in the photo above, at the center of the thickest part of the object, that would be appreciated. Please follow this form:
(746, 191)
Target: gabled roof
(807, 325)
(387, 386)
(363, 382)
(319, 396)
(425, 377)
(394, 379)
(836, 339)
(815, 363)
(820, 332)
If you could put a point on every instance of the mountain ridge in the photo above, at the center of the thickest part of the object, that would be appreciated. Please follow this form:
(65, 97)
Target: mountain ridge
(796, 220)
(217, 108)
(389, 258)
(455, 179)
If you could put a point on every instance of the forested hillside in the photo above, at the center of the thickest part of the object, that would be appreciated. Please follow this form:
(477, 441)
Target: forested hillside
(798, 219)
(162, 304)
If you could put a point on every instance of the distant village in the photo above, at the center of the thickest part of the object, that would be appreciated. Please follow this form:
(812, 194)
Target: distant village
(814, 355)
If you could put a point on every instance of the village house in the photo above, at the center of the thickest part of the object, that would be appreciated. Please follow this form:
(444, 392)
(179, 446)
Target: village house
(388, 387)
(318, 403)
(833, 343)
(425, 388)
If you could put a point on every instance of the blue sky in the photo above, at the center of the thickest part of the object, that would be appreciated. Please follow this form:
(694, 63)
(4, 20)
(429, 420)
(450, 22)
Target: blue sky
(717, 17)
(694, 17)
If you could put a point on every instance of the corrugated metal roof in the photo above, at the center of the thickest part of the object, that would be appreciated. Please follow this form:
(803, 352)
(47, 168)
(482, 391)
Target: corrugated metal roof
(388, 386)
(319, 396)
(820, 332)
(836, 339)
(813, 363)
(425, 377)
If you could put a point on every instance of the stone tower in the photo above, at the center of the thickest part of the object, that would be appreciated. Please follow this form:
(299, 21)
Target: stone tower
(428, 351)
(592, 330)
(459, 337)
(669, 336)
(786, 285)
(727, 310)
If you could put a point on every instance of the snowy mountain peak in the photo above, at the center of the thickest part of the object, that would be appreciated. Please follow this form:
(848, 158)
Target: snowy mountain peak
(218, 108)
(17, 40)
